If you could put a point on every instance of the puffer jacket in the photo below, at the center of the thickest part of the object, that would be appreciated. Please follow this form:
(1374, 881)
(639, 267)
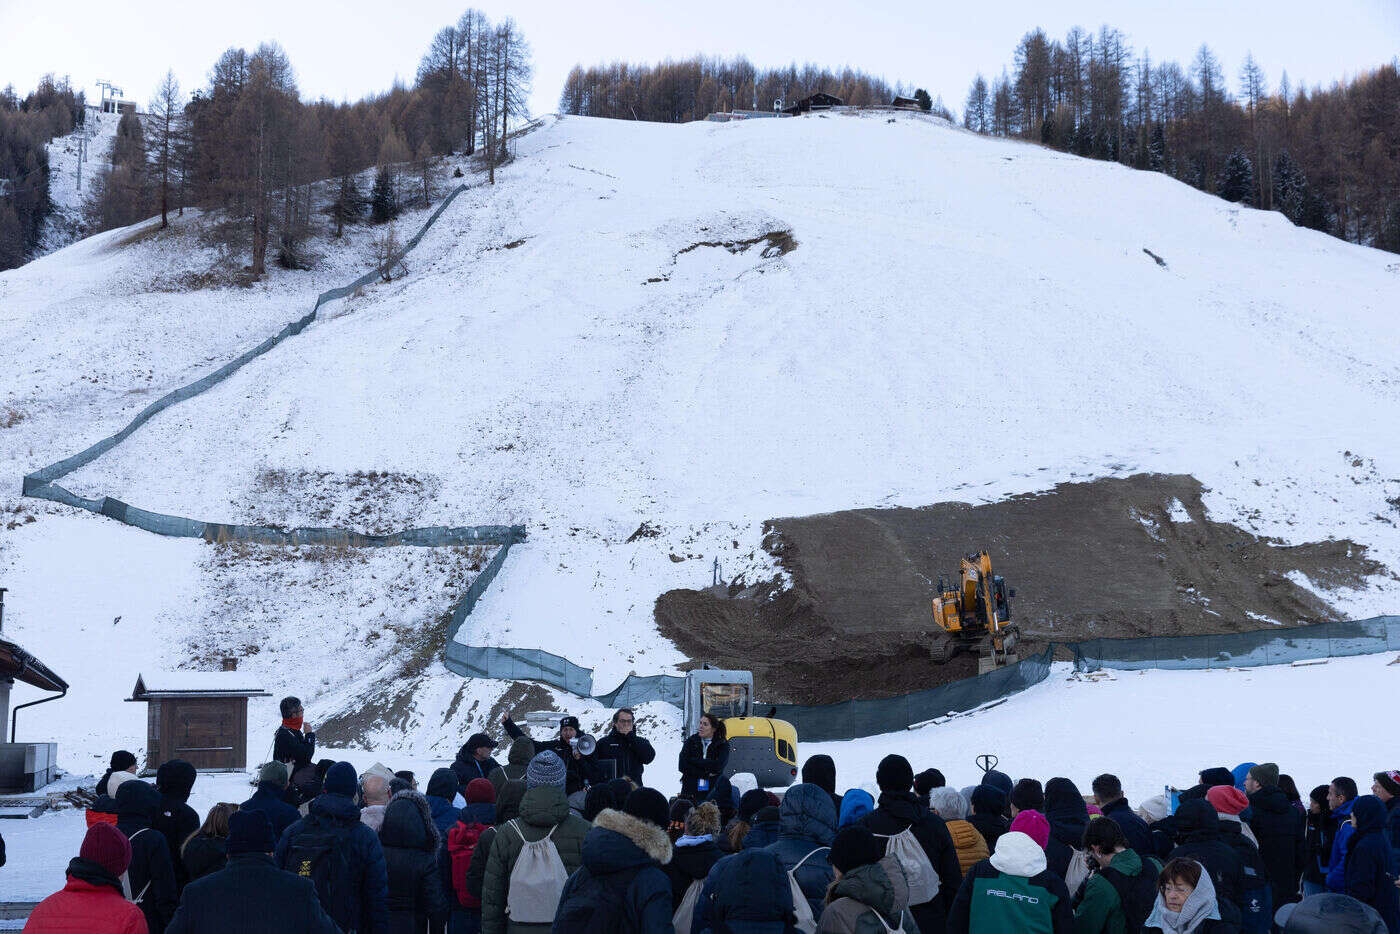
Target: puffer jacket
(621, 885)
(853, 900)
(764, 830)
(1369, 871)
(807, 825)
(544, 811)
(151, 867)
(269, 799)
(1281, 831)
(522, 750)
(747, 893)
(251, 896)
(972, 849)
(176, 819)
(1336, 863)
(691, 861)
(411, 844)
(90, 902)
(364, 905)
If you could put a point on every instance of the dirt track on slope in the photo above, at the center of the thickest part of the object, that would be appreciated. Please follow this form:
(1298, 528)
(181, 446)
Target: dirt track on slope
(1103, 558)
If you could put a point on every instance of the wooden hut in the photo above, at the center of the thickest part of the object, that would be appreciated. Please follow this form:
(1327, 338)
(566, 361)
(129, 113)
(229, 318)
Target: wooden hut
(198, 716)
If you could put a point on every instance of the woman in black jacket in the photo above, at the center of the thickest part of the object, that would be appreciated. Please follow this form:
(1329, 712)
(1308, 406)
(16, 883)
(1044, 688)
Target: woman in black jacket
(1319, 842)
(411, 842)
(206, 850)
(703, 758)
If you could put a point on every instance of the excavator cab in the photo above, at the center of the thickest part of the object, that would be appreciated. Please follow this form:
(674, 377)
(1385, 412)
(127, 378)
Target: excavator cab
(976, 616)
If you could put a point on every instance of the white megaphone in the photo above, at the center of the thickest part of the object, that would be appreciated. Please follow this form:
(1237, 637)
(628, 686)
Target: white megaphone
(584, 743)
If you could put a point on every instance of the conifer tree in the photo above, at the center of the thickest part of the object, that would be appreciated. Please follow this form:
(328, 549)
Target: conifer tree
(1236, 182)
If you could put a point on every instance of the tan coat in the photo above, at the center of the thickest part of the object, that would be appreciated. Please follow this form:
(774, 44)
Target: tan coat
(972, 848)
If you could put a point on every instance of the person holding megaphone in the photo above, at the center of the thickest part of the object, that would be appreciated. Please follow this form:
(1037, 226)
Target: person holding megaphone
(573, 746)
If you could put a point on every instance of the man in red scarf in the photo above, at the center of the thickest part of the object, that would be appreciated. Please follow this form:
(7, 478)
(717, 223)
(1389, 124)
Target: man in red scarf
(295, 746)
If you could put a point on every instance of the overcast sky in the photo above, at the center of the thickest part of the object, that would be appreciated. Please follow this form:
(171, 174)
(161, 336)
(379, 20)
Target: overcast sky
(348, 48)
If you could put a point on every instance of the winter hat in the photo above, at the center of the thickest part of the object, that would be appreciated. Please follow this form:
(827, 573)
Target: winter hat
(1239, 773)
(122, 760)
(1390, 781)
(108, 847)
(949, 803)
(1265, 773)
(988, 800)
(650, 805)
(1034, 825)
(927, 780)
(751, 803)
(250, 832)
(175, 778)
(477, 740)
(1093, 809)
(1154, 809)
(680, 809)
(1227, 799)
(568, 721)
(341, 779)
(702, 820)
(742, 783)
(274, 773)
(894, 774)
(855, 804)
(546, 769)
(998, 780)
(855, 847)
(1028, 795)
(480, 791)
(820, 770)
(1217, 776)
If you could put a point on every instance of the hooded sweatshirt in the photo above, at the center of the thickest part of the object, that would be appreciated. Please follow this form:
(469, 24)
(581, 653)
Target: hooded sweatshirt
(1012, 891)
(1369, 869)
(151, 869)
(820, 770)
(176, 819)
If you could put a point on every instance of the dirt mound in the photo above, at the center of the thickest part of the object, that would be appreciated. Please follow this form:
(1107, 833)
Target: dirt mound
(1112, 557)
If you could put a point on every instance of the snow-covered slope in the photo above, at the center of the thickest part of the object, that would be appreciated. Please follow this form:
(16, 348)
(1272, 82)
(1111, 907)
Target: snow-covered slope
(589, 346)
(67, 171)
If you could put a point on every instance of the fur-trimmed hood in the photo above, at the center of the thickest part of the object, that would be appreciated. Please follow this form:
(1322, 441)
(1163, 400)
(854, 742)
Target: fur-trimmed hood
(620, 841)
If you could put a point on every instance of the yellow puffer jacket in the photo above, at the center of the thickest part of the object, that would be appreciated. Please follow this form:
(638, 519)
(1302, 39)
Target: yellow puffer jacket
(972, 849)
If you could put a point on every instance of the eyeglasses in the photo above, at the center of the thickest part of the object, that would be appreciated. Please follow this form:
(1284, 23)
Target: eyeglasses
(628, 720)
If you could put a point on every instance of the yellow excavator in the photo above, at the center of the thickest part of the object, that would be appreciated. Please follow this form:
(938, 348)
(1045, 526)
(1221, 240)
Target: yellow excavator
(976, 616)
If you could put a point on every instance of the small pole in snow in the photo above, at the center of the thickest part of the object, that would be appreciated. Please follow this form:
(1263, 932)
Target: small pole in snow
(714, 574)
(2, 608)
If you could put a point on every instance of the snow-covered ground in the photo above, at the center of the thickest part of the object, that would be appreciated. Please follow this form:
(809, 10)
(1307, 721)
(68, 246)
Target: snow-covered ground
(577, 349)
(1063, 726)
(67, 172)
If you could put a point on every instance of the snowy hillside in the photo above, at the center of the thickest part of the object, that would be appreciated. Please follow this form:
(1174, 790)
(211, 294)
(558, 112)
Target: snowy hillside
(65, 224)
(698, 328)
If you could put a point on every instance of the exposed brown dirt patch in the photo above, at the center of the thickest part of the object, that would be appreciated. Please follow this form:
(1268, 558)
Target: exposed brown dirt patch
(1104, 558)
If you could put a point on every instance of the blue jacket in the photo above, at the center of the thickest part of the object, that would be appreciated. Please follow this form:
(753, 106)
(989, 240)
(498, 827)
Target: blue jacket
(1392, 827)
(620, 887)
(1133, 827)
(855, 804)
(364, 906)
(808, 825)
(251, 896)
(268, 799)
(1336, 864)
(746, 893)
(1369, 866)
(762, 833)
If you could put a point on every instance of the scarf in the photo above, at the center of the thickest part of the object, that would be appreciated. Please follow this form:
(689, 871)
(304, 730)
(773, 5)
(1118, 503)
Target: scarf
(293, 723)
(1200, 907)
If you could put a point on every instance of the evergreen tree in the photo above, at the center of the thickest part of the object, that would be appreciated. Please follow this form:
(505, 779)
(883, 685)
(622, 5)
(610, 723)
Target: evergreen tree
(349, 204)
(1288, 182)
(1157, 148)
(383, 204)
(1236, 182)
(925, 102)
(1388, 237)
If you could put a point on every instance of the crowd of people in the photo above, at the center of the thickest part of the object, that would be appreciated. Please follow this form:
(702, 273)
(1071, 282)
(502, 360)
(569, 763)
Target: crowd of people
(570, 838)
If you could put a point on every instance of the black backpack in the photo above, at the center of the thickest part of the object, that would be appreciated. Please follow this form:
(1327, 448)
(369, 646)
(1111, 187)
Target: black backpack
(597, 906)
(317, 853)
(1137, 894)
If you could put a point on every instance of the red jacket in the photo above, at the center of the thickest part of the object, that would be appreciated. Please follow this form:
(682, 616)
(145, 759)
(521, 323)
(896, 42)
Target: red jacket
(84, 908)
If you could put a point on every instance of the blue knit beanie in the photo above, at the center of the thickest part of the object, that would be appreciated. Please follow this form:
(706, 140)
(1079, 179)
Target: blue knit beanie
(340, 780)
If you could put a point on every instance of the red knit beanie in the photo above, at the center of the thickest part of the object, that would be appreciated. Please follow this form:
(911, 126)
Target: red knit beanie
(480, 791)
(108, 847)
(1034, 825)
(1227, 799)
